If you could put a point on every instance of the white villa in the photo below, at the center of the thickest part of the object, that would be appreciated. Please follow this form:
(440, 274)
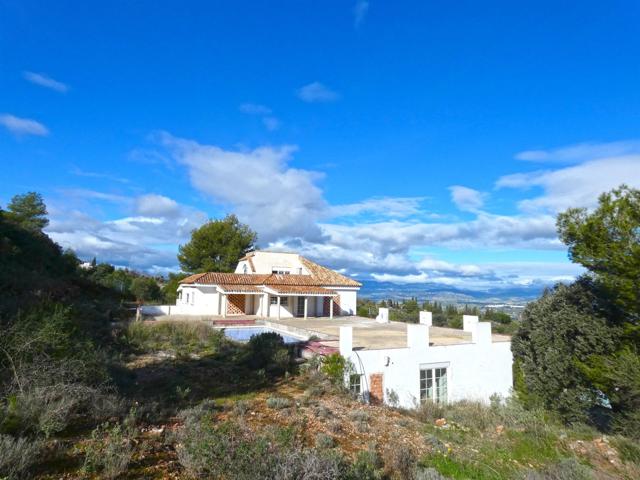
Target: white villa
(270, 285)
(392, 362)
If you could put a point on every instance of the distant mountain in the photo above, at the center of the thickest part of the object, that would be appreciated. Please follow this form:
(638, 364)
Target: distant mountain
(447, 294)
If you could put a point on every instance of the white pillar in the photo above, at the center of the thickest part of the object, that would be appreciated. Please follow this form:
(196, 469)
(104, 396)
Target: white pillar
(330, 307)
(417, 336)
(383, 315)
(426, 318)
(346, 341)
(224, 305)
(306, 305)
(278, 307)
(265, 305)
(469, 323)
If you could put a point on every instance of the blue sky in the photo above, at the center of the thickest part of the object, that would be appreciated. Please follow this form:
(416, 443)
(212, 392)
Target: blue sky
(429, 142)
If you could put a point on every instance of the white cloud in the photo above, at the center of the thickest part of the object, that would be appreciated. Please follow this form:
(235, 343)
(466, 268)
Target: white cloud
(271, 123)
(106, 176)
(23, 126)
(316, 92)
(255, 109)
(574, 186)
(398, 207)
(156, 206)
(467, 199)
(258, 185)
(360, 11)
(582, 152)
(147, 240)
(45, 81)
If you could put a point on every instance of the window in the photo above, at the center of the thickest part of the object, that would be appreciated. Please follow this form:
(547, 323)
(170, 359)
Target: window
(433, 384)
(187, 298)
(280, 270)
(355, 384)
(245, 270)
(283, 301)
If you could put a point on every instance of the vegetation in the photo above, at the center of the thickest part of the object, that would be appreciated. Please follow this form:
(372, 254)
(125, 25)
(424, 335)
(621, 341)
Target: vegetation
(80, 398)
(577, 350)
(216, 246)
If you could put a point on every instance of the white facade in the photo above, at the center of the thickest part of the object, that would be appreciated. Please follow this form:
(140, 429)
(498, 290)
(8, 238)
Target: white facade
(271, 300)
(467, 371)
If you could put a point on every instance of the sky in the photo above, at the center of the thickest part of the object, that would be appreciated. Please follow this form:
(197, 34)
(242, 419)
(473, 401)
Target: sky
(411, 142)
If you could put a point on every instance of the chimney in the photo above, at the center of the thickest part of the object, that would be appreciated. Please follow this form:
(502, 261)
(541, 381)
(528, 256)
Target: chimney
(346, 341)
(417, 336)
(426, 318)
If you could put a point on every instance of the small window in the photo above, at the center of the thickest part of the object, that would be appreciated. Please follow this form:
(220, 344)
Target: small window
(187, 298)
(355, 384)
(433, 384)
(245, 269)
(283, 301)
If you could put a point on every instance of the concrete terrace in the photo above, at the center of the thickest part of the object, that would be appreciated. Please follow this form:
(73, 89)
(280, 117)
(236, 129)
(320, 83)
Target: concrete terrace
(369, 334)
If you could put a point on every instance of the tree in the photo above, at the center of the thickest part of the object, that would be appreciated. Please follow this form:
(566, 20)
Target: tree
(145, 289)
(170, 288)
(217, 246)
(607, 243)
(558, 333)
(28, 211)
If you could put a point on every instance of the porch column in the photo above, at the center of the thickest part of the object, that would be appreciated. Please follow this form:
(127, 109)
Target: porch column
(265, 305)
(330, 307)
(224, 305)
(278, 307)
(306, 305)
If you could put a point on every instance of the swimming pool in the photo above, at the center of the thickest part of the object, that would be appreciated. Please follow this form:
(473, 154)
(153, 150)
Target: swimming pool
(243, 334)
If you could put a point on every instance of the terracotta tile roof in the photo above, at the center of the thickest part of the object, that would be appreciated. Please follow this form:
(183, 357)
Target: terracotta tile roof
(319, 277)
(217, 278)
(303, 290)
(240, 288)
(327, 276)
(289, 279)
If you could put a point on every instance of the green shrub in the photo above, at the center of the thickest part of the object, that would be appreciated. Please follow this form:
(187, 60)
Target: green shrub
(324, 441)
(110, 449)
(278, 403)
(18, 456)
(268, 351)
(400, 461)
(566, 469)
(334, 367)
(429, 412)
(180, 337)
(628, 449)
(368, 465)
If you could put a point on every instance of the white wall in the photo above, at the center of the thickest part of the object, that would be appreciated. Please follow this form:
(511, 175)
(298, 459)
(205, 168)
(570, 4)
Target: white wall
(348, 301)
(203, 300)
(475, 370)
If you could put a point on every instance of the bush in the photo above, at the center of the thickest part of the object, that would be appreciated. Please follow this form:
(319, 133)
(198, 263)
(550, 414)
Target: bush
(429, 412)
(334, 367)
(17, 456)
(400, 462)
(567, 469)
(47, 397)
(110, 449)
(184, 337)
(368, 465)
(268, 351)
(324, 441)
(278, 403)
(629, 450)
